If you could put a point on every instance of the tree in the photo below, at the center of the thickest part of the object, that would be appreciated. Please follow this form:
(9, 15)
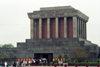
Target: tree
(65, 56)
(7, 46)
(3, 55)
(14, 58)
(79, 54)
(55, 61)
(60, 57)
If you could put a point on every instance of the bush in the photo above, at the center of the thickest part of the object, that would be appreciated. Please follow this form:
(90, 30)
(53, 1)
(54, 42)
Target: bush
(83, 63)
(55, 61)
(78, 53)
(76, 60)
(66, 60)
(87, 61)
(98, 61)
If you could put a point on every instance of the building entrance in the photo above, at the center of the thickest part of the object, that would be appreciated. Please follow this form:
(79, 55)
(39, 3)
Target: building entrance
(48, 56)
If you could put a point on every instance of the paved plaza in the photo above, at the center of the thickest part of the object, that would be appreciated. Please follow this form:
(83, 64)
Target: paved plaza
(59, 66)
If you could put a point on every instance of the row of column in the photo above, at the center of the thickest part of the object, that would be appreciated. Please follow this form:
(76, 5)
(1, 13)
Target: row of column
(79, 28)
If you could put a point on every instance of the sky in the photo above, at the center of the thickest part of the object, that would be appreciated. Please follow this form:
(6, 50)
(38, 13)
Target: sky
(15, 24)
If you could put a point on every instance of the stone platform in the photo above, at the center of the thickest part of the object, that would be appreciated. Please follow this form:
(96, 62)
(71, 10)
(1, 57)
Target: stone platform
(55, 46)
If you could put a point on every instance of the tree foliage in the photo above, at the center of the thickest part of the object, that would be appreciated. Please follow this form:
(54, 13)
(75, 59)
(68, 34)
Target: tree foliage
(66, 60)
(65, 56)
(7, 46)
(86, 61)
(14, 58)
(60, 57)
(3, 55)
(55, 61)
(79, 54)
(75, 60)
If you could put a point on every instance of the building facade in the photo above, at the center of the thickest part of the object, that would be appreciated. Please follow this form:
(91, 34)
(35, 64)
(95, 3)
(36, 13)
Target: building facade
(58, 22)
(54, 31)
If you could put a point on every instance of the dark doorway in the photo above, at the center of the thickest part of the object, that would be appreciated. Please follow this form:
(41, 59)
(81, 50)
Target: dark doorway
(48, 56)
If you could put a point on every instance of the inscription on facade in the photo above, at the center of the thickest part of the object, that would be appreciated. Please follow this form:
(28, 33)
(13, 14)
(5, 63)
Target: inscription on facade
(52, 14)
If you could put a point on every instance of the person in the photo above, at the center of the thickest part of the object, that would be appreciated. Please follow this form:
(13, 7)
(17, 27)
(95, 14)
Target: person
(24, 62)
(20, 63)
(9, 63)
(14, 64)
(17, 63)
(5, 64)
(29, 62)
(1, 64)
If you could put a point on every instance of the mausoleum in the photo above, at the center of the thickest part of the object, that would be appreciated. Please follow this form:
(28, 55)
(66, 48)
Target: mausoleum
(54, 31)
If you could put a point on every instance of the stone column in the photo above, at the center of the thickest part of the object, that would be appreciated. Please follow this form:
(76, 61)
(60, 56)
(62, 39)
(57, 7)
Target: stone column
(48, 27)
(78, 27)
(65, 27)
(32, 28)
(35, 29)
(40, 28)
(75, 27)
(85, 32)
(57, 28)
(82, 28)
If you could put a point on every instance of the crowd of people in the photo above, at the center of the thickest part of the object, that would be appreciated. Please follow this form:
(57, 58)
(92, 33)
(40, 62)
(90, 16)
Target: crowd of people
(21, 63)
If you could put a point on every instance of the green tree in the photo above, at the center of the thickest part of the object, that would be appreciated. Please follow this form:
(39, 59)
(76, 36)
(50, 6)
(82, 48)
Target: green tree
(7, 46)
(66, 60)
(3, 55)
(79, 54)
(14, 58)
(55, 61)
(60, 57)
(65, 56)
(86, 61)
(76, 60)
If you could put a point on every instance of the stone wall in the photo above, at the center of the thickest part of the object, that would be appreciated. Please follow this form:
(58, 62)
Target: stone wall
(56, 46)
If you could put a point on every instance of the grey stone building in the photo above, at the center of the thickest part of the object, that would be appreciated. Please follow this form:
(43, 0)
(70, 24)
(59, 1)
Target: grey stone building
(54, 31)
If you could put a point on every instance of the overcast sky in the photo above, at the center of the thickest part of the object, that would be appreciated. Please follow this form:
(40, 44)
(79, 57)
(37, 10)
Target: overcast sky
(15, 24)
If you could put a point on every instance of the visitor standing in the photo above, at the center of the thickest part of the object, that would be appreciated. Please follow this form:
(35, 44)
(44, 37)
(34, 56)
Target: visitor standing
(5, 64)
(24, 63)
(17, 63)
(1, 64)
(11, 63)
(14, 64)
(29, 62)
